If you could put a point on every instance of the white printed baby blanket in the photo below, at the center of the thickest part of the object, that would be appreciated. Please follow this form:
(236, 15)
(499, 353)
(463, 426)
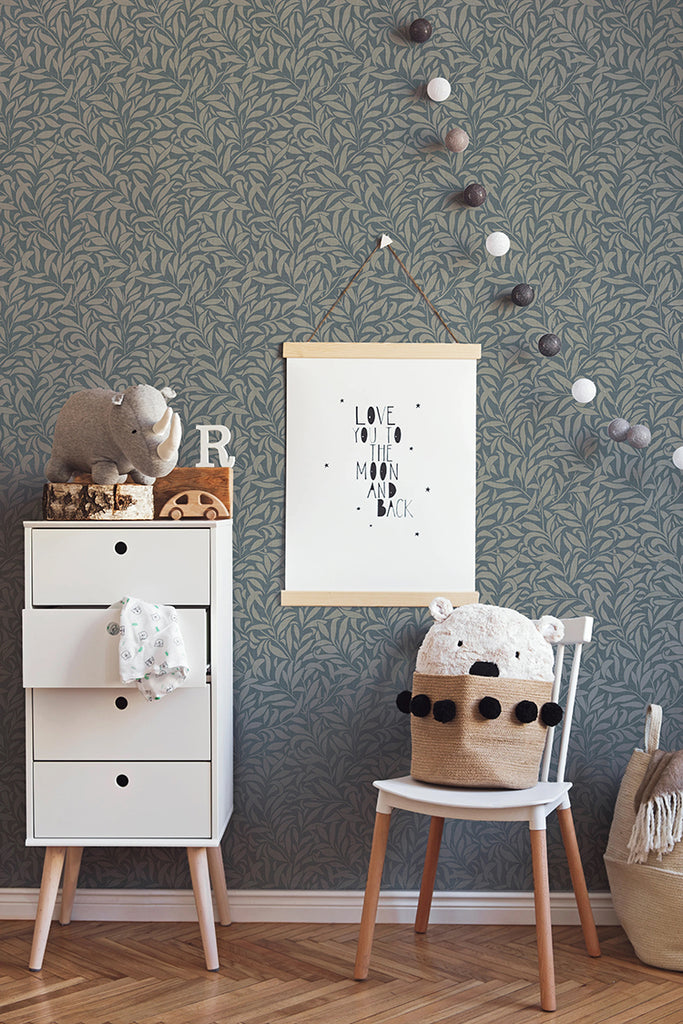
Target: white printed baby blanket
(151, 648)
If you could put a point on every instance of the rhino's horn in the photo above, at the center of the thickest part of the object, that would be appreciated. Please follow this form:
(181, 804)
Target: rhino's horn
(161, 427)
(168, 448)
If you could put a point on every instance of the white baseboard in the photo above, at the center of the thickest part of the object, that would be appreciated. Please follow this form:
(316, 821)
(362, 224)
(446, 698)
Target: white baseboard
(315, 907)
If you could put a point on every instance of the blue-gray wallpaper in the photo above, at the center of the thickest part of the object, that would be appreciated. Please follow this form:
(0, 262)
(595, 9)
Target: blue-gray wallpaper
(187, 184)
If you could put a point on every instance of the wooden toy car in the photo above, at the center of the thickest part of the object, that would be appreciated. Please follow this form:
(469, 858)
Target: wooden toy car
(194, 505)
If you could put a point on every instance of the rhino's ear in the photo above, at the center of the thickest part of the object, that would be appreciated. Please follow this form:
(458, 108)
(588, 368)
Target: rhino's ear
(440, 608)
(118, 398)
(168, 393)
(550, 628)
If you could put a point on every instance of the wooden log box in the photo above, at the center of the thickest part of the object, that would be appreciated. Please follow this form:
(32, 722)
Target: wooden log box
(89, 501)
(187, 491)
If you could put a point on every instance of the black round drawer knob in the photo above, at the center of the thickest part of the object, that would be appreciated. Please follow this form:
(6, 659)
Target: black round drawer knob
(120, 547)
(121, 703)
(122, 780)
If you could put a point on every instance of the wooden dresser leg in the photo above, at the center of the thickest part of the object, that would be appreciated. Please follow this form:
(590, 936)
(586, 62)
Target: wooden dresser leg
(201, 886)
(52, 872)
(218, 883)
(424, 904)
(72, 866)
(371, 899)
(544, 936)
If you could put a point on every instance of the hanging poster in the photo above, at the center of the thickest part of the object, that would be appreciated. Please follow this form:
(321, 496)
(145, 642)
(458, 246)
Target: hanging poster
(381, 475)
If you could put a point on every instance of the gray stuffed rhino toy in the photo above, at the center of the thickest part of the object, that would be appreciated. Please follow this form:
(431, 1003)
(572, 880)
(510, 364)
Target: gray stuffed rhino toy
(112, 433)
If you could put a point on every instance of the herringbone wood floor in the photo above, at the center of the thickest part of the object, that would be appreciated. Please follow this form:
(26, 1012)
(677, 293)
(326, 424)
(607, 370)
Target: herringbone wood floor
(105, 973)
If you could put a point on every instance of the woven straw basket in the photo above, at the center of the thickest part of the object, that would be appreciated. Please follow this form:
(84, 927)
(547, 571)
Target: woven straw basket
(499, 753)
(648, 898)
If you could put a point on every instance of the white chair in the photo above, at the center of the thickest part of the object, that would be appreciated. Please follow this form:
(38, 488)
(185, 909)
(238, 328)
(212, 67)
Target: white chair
(531, 805)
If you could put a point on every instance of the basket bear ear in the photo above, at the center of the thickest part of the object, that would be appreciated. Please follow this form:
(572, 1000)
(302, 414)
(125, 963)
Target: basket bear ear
(550, 628)
(440, 608)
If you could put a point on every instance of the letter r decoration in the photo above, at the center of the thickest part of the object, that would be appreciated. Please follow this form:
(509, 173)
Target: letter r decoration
(380, 474)
(219, 445)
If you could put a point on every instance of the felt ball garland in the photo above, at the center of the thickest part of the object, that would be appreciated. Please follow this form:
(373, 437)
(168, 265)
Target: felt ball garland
(549, 345)
(618, 429)
(522, 295)
(420, 30)
(638, 436)
(456, 140)
(474, 194)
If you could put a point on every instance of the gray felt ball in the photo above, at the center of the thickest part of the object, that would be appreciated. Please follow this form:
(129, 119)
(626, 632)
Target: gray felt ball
(549, 345)
(618, 429)
(639, 436)
(522, 295)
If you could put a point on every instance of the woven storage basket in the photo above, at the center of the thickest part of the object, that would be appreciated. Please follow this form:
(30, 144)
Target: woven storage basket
(499, 753)
(648, 898)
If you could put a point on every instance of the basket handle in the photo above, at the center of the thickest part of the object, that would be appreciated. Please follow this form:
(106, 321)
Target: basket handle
(653, 726)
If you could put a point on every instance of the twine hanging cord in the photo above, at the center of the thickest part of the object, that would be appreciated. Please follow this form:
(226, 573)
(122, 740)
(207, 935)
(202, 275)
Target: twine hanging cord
(408, 275)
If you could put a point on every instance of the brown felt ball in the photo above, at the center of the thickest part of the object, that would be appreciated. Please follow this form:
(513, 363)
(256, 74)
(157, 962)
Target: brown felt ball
(420, 30)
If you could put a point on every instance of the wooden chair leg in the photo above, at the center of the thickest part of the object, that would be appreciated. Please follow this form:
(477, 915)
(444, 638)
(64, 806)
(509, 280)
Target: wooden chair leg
(201, 886)
(544, 938)
(590, 934)
(218, 883)
(52, 872)
(424, 904)
(72, 866)
(371, 899)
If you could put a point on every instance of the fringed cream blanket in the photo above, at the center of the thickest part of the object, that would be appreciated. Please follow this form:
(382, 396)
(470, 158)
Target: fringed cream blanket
(659, 808)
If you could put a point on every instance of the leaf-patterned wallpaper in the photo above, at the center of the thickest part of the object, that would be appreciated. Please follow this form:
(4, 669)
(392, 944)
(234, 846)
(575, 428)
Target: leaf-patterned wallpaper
(186, 184)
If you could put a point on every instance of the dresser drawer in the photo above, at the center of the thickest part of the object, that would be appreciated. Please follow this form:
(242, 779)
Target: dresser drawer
(73, 647)
(89, 725)
(98, 567)
(121, 800)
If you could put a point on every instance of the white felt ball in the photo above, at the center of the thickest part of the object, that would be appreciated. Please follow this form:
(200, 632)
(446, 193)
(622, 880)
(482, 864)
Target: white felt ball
(497, 243)
(439, 89)
(584, 390)
(678, 458)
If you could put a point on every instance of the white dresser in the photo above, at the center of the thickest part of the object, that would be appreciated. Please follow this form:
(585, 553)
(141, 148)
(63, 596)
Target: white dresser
(106, 767)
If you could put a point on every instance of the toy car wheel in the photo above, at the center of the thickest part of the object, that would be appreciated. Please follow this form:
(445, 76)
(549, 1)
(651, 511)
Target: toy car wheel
(176, 513)
(211, 513)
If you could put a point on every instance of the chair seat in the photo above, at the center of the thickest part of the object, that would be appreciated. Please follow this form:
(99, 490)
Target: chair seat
(532, 805)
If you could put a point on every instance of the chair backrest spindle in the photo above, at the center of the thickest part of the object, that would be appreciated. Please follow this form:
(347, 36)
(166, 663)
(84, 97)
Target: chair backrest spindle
(577, 632)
